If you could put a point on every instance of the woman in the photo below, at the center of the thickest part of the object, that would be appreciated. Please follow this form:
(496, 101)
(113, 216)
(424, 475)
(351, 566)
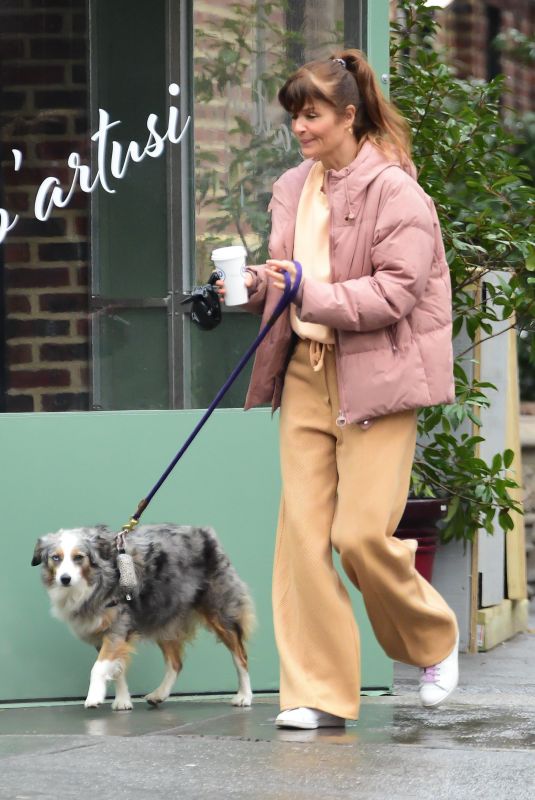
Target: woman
(366, 343)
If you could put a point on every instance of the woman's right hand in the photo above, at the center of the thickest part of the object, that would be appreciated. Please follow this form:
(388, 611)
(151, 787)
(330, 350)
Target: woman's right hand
(221, 285)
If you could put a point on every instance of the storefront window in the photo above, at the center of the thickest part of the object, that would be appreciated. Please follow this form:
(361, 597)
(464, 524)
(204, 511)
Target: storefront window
(90, 298)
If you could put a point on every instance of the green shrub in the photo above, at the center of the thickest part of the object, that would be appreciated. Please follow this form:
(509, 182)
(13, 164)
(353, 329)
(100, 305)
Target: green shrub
(467, 161)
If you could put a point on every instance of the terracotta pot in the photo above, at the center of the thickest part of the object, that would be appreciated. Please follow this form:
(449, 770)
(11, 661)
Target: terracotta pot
(424, 561)
(419, 523)
(423, 512)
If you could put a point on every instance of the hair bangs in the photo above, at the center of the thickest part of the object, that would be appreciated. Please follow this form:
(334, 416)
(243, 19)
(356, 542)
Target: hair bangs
(300, 89)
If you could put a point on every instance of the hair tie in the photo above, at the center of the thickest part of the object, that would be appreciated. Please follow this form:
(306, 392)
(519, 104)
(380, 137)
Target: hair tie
(341, 61)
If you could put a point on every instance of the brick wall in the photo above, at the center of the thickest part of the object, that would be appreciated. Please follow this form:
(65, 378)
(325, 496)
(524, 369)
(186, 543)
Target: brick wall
(43, 113)
(468, 31)
(465, 34)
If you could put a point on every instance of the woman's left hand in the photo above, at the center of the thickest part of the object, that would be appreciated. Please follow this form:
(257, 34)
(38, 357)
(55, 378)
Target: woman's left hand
(274, 268)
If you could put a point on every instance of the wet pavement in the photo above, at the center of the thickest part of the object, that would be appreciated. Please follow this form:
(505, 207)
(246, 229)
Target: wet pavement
(481, 744)
(453, 726)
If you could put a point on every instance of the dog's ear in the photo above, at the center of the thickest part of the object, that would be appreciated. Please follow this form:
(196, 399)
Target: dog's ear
(102, 530)
(40, 547)
(100, 544)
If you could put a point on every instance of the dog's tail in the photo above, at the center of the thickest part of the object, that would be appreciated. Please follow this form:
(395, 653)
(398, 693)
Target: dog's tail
(227, 594)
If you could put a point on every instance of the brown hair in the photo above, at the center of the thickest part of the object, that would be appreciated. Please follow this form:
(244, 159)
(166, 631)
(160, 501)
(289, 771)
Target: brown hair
(376, 120)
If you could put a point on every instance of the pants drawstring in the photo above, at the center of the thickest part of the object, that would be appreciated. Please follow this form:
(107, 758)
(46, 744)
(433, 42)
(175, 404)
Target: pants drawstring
(317, 354)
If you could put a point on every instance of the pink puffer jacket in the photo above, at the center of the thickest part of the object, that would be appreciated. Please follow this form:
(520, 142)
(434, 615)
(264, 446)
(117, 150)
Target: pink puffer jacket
(390, 296)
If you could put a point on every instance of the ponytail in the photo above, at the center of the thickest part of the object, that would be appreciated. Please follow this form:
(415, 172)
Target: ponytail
(347, 79)
(377, 120)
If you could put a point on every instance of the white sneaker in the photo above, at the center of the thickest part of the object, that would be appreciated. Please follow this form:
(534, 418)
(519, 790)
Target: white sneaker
(308, 718)
(439, 681)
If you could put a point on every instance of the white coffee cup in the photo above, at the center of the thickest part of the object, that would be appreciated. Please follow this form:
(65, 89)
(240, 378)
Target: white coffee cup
(230, 264)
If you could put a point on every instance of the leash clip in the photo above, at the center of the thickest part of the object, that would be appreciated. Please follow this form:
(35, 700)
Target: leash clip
(130, 525)
(120, 538)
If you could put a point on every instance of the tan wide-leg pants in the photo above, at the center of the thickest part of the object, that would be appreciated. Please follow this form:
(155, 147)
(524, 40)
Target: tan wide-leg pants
(345, 488)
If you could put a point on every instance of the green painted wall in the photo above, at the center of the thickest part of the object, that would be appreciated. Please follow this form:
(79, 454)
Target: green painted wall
(67, 470)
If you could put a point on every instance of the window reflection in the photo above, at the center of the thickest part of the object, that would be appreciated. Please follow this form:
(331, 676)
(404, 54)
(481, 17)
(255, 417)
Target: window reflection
(90, 313)
(243, 54)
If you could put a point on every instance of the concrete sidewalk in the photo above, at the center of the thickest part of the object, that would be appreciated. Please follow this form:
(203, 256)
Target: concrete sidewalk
(480, 745)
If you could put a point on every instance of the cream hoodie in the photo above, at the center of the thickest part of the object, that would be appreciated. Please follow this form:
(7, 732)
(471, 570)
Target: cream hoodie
(311, 247)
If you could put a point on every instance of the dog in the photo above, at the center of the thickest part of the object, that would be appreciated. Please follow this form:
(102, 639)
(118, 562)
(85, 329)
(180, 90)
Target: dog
(183, 579)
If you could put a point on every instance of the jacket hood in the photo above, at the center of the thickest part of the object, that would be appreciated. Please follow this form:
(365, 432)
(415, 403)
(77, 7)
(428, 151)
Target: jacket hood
(357, 176)
(368, 164)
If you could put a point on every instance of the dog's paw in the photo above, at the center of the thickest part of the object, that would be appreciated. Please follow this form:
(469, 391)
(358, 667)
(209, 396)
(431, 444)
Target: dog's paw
(155, 698)
(120, 704)
(242, 699)
(95, 697)
(92, 702)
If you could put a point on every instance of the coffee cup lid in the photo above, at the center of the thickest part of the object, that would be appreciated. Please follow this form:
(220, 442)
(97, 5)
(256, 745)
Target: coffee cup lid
(225, 253)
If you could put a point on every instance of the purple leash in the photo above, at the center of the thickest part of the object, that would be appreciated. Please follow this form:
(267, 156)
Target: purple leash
(127, 572)
(289, 294)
